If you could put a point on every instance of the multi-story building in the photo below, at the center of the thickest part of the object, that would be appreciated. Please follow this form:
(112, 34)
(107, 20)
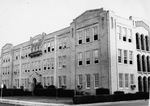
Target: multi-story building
(98, 50)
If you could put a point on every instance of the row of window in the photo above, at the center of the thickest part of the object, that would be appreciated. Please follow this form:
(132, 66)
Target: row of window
(16, 69)
(88, 35)
(142, 42)
(61, 81)
(89, 56)
(125, 80)
(36, 65)
(125, 56)
(6, 57)
(48, 81)
(62, 61)
(88, 80)
(124, 34)
(6, 70)
(143, 63)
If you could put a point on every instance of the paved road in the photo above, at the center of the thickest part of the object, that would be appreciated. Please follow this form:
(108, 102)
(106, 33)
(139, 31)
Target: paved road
(2, 104)
(124, 103)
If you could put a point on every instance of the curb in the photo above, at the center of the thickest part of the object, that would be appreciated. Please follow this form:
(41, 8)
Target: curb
(27, 103)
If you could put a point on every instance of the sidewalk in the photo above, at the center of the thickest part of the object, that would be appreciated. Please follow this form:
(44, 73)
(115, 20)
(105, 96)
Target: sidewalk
(37, 101)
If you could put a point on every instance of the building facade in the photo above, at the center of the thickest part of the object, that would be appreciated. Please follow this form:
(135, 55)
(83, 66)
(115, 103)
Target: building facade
(98, 50)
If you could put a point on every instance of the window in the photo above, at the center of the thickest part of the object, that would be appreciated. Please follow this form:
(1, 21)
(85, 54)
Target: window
(126, 80)
(52, 80)
(119, 55)
(60, 43)
(87, 57)
(64, 62)
(137, 41)
(130, 57)
(96, 80)
(64, 42)
(64, 80)
(80, 37)
(59, 62)
(119, 32)
(120, 80)
(129, 32)
(80, 79)
(44, 64)
(88, 83)
(60, 81)
(124, 32)
(48, 45)
(125, 56)
(48, 63)
(87, 35)
(80, 59)
(52, 63)
(95, 33)
(52, 45)
(95, 56)
(45, 47)
(44, 81)
(132, 79)
(48, 81)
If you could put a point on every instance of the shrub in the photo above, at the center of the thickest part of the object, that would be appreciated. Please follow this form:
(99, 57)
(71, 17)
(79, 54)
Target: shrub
(118, 92)
(101, 91)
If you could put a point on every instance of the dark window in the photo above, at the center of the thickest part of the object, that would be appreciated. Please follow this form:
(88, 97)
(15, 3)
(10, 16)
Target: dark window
(88, 62)
(124, 38)
(49, 49)
(129, 40)
(87, 39)
(80, 41)
(44, 51)
(80, 62)
(96, 37)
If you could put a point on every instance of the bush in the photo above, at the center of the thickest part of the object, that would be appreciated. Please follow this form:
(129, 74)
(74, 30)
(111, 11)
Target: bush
(51, 87)
(101, 91)
(118, 92)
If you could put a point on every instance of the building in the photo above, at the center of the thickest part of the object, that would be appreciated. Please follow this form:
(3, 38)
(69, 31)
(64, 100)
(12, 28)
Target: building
(98, 50)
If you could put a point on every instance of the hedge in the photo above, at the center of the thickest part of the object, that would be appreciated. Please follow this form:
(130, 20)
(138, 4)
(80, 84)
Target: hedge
(81, 99)
(15, 92)
(54, 92)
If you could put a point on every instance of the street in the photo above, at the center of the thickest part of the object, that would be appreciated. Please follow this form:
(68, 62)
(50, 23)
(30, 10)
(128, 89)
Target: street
(3, 104)
(124, 103)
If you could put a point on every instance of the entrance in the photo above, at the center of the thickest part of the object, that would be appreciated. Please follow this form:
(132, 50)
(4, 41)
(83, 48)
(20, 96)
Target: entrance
(34, 83)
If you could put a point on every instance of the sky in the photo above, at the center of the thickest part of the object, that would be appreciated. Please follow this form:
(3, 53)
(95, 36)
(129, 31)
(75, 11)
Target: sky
(22, 19)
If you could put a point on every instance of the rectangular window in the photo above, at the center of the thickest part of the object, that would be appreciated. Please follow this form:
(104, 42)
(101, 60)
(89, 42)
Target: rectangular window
(64, 42)
(88, 81)
(132, 79)
(44, 81)
(48, 81)
(64, 62)
(124, 33)
(80, 59)
(119, 32)
(52, 63)
(60, 81)
(64, 80)
(45, 47)
(126, 80)
(80, 37)
(59, 62)
(80, 79)
(119, 55)
(52, 45)
(48, 45)
(96, 80)
(87, 57)
(52, 80)
(130, 57)
(125, 57)
(120, 80)
(60, 43)
(95, 56)
(129, 33)
(87, 35)
(95, 33)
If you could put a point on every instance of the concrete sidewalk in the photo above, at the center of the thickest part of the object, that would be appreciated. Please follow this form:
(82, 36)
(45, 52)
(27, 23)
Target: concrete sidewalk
(36, 101)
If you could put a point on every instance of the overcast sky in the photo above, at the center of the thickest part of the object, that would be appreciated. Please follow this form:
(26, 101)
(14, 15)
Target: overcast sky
(22, 19)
